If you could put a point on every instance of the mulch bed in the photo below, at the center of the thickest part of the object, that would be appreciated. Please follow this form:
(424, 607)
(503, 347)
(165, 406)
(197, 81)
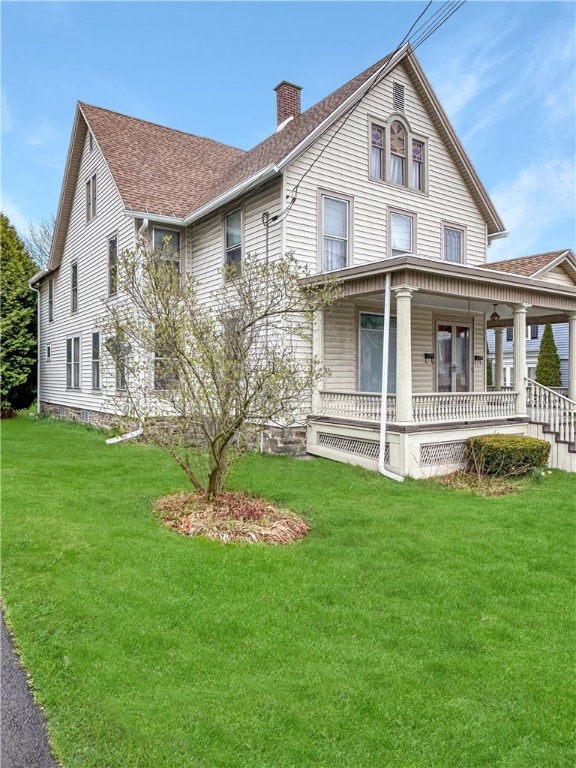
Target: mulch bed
(234, 517)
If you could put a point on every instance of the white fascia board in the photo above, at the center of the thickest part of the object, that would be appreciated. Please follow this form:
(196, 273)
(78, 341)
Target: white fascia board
(564, 256)
(263, 175)
(38, 276)
(343, 108)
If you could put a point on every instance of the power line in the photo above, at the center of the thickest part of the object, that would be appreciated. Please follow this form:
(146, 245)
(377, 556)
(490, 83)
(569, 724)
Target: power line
(421, 33)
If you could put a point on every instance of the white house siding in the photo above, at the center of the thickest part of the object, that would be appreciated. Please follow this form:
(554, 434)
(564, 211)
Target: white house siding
(207, 237)
(557, 275)
(560, 331)
(341, 344)
(86, 243)
(344, 169)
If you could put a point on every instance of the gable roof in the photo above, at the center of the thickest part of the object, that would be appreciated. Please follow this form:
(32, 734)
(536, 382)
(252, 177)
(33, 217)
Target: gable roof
(157, 169)
(535, 266)
(164, 172)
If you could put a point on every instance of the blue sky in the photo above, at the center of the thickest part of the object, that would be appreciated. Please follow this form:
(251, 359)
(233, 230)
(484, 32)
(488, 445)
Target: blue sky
(504, 71)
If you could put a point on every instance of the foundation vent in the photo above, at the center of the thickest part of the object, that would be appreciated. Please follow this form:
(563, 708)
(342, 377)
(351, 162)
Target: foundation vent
(85, 416)
(433, 454)
(355, 445)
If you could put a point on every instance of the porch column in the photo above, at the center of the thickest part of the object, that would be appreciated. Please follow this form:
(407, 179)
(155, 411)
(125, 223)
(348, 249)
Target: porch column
(403, 353)
(572, 356)
(318, 353)
(498, 359)
(520, 356)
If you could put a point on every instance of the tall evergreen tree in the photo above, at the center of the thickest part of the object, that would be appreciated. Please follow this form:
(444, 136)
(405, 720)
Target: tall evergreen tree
(548, 372)
(18, 325)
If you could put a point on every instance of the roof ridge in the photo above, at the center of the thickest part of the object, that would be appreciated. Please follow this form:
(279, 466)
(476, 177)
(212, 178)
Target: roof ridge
(83, 104)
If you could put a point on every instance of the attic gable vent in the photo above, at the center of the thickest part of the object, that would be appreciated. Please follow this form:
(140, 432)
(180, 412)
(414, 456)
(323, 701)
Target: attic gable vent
(398, 97)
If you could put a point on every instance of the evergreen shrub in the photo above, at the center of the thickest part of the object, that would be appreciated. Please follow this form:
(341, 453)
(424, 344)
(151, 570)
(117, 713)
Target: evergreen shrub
(506, 454)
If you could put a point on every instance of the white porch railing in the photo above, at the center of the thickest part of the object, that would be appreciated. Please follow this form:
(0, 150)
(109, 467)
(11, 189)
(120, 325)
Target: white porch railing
(357, 405)
(428, 407)
(555, 411)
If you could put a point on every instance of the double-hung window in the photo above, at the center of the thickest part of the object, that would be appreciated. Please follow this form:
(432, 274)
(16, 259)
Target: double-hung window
(377, 153)
(531, 333)
(453, 245)
(335, 233)
(50, 299)
(233, 243)
(74, 286)
(91, 198)
(112, 265)
(167, 244)
(401, 233)
(73, 362)
(96, 360)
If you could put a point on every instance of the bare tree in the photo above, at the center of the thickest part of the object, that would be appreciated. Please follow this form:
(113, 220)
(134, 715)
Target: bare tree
(199, 373)
(38, 241)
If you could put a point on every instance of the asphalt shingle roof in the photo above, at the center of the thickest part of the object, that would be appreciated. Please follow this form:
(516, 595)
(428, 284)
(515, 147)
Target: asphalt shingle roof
(164, 171)
(525, 265)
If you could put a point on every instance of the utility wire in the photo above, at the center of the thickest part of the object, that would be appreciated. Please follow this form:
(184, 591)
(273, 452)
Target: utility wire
(421, 33)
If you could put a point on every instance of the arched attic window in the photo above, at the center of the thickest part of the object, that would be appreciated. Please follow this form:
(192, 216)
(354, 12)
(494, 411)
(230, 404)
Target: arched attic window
(397, 155)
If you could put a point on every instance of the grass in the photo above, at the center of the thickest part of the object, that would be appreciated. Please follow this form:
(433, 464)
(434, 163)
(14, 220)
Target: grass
(416, 626)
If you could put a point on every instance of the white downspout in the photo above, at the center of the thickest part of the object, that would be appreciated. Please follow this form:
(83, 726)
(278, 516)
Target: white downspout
(127, 436)
(38, 350)
(383, 403)
(142, 230)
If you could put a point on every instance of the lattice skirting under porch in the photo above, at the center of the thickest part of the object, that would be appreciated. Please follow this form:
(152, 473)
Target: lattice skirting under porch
(356, 445)
(433, 454)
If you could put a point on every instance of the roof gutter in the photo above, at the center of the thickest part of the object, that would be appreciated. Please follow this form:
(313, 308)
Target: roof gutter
(38, 277)
(258, 178)
(497, 235)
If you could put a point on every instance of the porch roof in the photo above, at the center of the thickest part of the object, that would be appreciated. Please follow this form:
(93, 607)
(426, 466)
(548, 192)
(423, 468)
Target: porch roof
(455, 280)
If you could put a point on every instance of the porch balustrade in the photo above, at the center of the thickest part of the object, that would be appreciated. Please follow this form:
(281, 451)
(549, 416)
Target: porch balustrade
(427, 408)
(552, 409)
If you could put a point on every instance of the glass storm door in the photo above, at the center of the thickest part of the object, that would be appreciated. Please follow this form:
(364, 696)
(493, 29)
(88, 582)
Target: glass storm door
(453, 357)
(371, 345)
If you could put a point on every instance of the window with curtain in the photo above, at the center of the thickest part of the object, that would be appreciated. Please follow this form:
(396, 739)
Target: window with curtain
(397, 153)
(335, 213)
(418, 165)
(453, 245)
(377, 153)
(371, 342)
(401, 233)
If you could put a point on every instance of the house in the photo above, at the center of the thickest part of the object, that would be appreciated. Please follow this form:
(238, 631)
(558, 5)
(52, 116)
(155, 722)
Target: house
(372, 185)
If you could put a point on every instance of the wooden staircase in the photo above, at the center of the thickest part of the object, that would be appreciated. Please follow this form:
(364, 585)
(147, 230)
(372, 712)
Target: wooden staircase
(553, 418)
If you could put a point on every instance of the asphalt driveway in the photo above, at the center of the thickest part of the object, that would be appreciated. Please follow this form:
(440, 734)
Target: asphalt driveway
(23, 740)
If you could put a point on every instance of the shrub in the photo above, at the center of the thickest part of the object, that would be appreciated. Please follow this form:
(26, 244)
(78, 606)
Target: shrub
(548, 372)
(506, 454)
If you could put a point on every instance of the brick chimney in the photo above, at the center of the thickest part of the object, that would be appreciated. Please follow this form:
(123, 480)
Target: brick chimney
(287, 101)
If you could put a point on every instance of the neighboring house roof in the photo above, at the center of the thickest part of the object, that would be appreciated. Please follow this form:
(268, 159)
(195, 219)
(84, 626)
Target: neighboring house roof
(537, 265)
(164, 172)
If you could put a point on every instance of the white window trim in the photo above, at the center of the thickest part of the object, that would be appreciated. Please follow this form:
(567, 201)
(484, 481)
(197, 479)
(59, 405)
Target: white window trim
(225, 249)
(461, 228)
(322, 194)
(414, 218)
(111, 236)
(91, 201)
(93, 360)
(50, 299)
(72, 385)
(74, 288)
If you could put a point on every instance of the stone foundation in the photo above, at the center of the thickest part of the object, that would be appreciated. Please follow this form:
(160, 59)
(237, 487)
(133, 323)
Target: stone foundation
(83, 415)
(287, 441)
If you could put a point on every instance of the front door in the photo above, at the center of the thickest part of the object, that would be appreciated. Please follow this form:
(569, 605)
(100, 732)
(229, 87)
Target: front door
(453, 363)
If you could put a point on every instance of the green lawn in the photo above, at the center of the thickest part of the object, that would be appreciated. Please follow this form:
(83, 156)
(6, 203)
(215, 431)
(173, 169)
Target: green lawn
(416, 626)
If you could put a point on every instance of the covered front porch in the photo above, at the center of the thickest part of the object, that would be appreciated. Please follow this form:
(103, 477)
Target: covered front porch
(435, 391)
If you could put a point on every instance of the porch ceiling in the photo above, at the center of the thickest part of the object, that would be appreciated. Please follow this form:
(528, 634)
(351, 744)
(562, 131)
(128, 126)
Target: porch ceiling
(460, 281)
